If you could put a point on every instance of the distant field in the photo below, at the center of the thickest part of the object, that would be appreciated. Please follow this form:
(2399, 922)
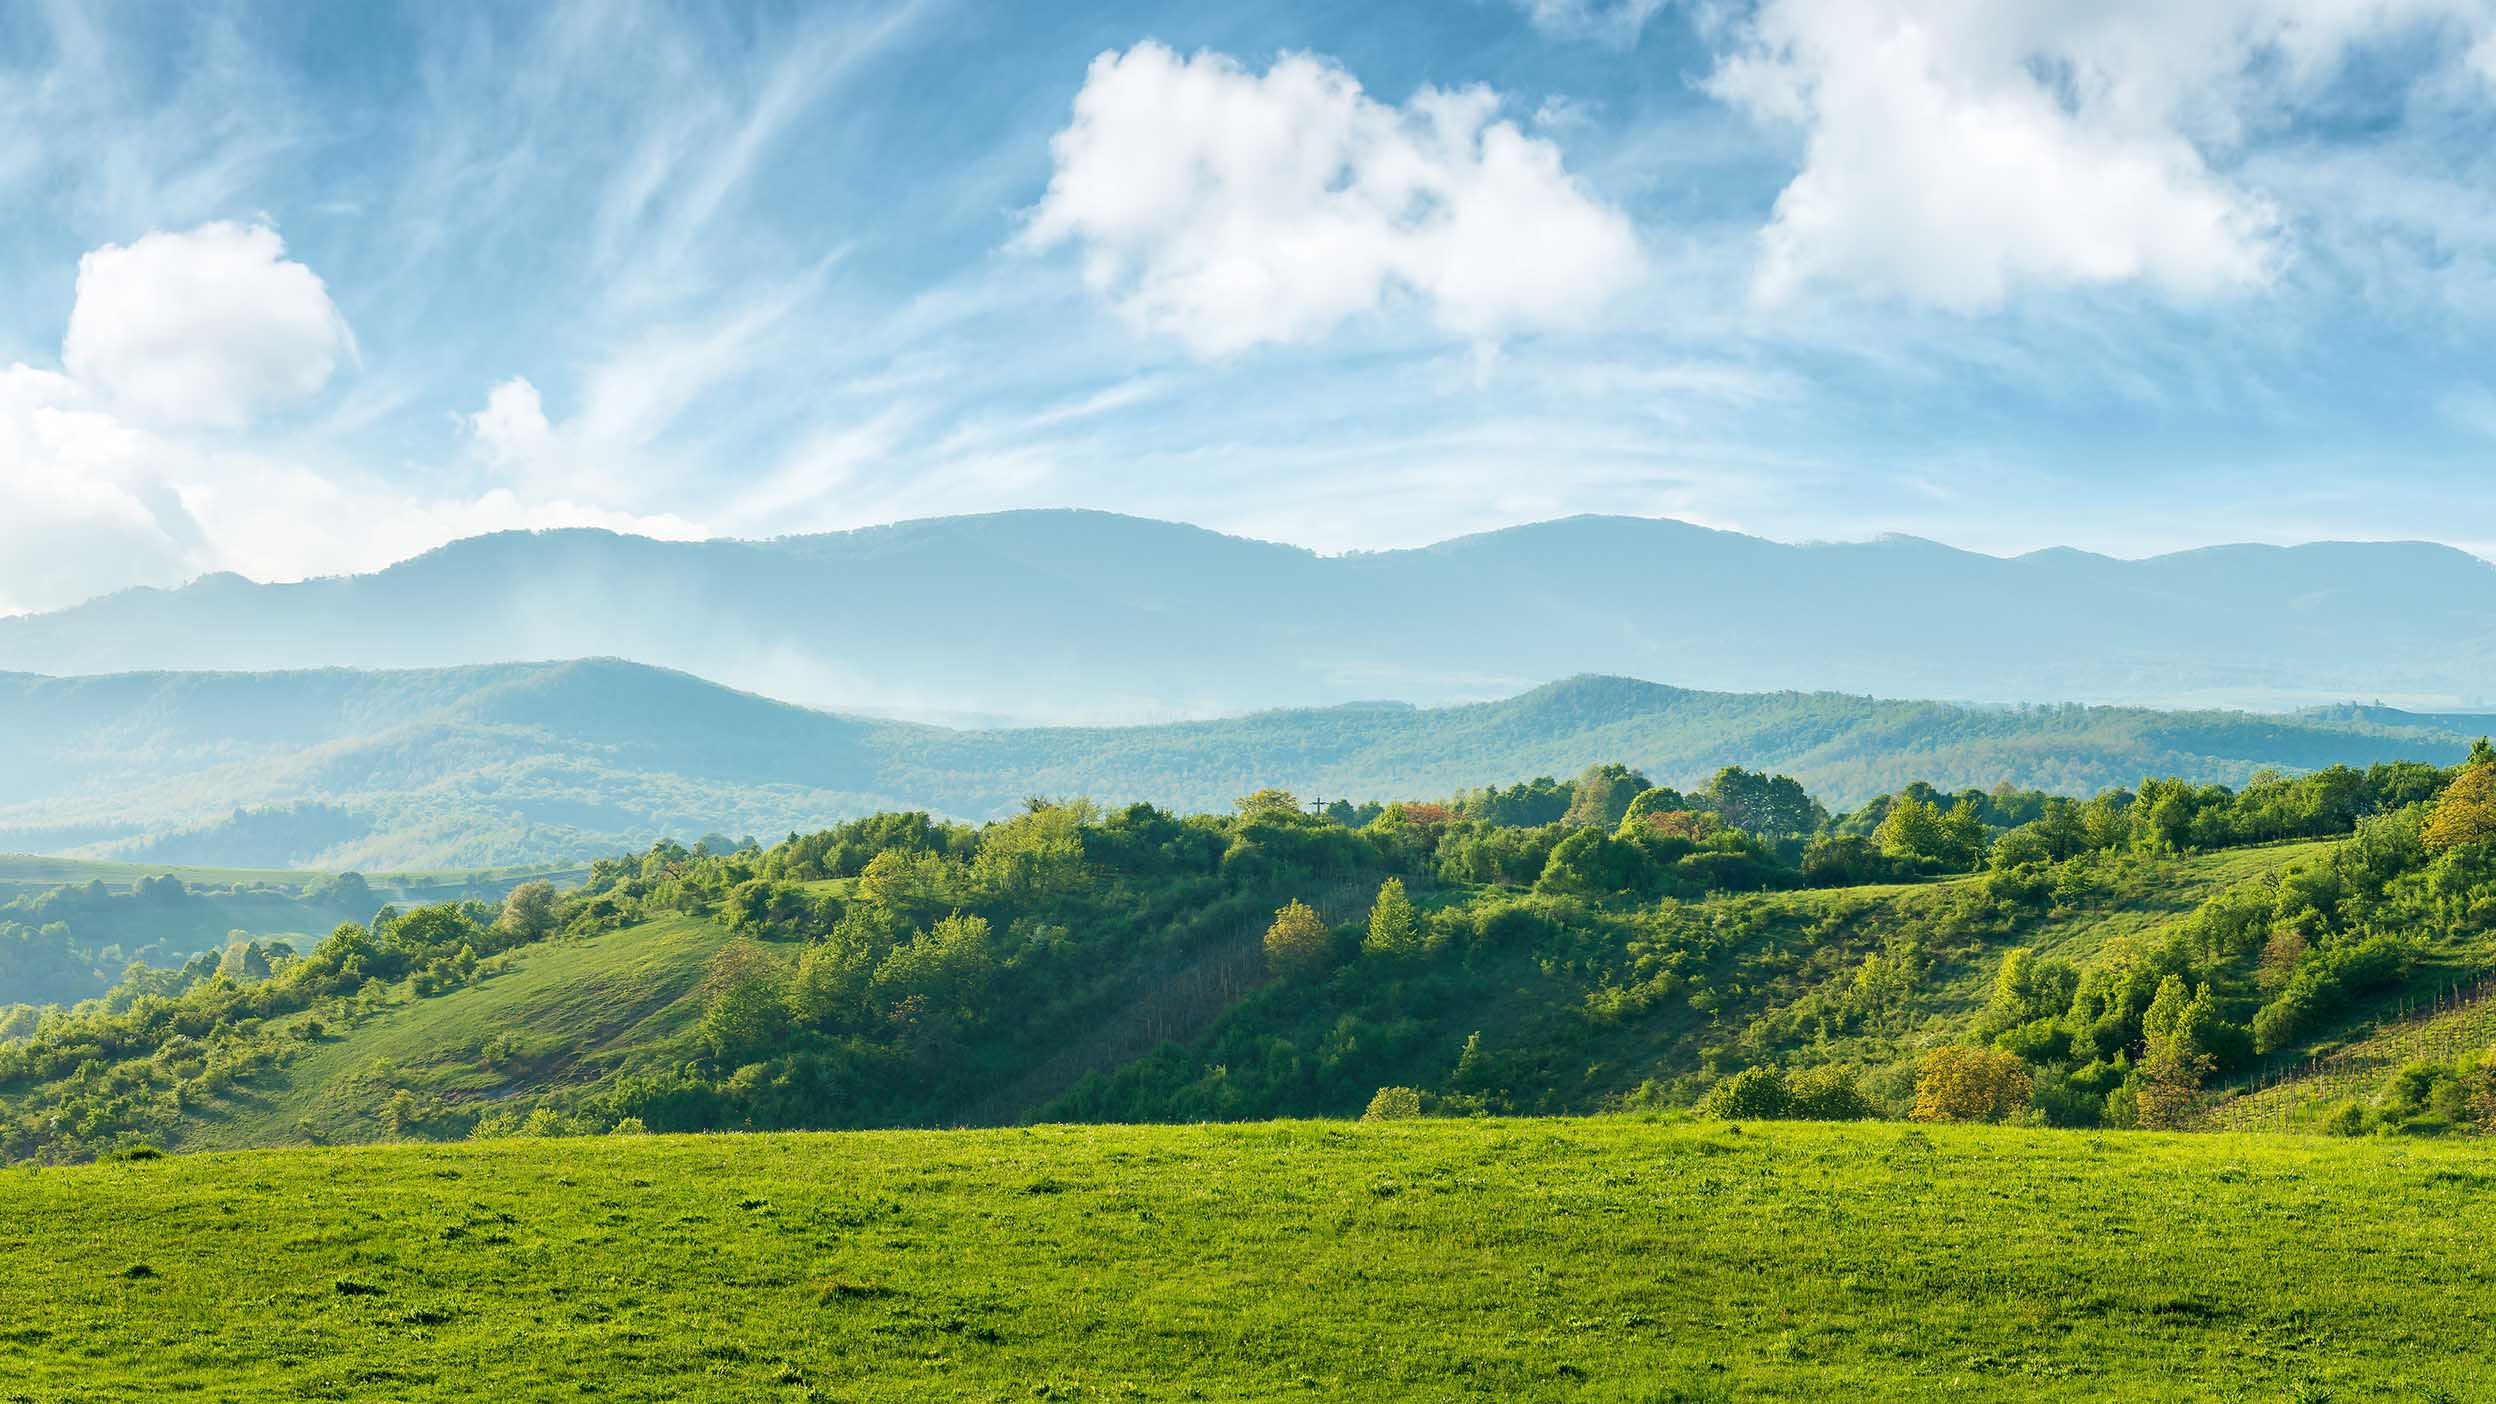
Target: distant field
(1604, 1259)
(20, 872)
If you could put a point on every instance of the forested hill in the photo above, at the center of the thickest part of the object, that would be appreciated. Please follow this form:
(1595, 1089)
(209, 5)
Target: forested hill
(1089, 617)
(547, 762)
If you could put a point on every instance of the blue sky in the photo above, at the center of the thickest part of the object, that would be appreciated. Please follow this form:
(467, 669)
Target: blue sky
(303, 289)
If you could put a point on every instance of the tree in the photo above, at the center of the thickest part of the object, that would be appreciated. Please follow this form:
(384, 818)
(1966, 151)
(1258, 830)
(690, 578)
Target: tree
(1037, 853)
(1297, 940)
(528, 912)
(1962, 838)
(1393, 929)
(1775, 806)
(1602, 795)
(2169, 1092)
(833, 976)
(1911, 830)
(2466, 814)
(2166, 1015)
(1661, 800)
(1268, 801)
(1689, 825)
(945, 969)
(1959, 1083)
(244, 960)
(744, 1010)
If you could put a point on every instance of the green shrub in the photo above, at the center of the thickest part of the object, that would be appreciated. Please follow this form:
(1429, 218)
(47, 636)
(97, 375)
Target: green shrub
(2346, 1119)
(1393, 1104)
(1829, 1092)
(1754, 1094)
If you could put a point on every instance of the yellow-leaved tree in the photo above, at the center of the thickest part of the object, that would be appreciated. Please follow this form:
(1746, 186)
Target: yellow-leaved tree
(1297, 940)
(2466, 814)
(1959, 1083)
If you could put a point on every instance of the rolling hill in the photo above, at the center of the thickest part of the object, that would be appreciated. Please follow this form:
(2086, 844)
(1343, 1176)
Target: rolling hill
(528, 763)
(1063, 616)
(567, 1019)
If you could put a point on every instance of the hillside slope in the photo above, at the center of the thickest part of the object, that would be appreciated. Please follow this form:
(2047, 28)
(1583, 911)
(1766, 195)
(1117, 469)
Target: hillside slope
(567, 1018)
(1086, 616)
(1418, 1261)
(551, 762)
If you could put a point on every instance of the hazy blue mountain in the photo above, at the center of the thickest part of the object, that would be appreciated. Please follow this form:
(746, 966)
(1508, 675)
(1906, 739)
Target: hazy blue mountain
(1085, 616)
(549, 762)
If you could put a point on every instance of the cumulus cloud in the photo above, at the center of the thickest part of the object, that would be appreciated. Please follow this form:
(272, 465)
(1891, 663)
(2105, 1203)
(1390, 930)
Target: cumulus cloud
(107, 479)
(80, 511)
(209, 327)
(1230, 209)
(1957, 150)
(512, 431)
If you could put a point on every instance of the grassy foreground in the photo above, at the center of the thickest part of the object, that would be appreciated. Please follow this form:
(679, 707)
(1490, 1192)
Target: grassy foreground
(1605, 1259)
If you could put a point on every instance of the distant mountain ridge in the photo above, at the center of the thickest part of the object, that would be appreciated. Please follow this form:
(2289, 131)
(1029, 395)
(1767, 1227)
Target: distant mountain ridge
(1089, 616)
(545, 762)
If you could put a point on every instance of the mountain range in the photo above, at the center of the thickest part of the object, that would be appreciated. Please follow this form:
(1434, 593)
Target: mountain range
(543, 762)
(1087, 617)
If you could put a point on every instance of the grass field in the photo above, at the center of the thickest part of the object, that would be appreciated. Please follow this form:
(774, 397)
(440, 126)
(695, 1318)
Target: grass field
(1607, 1259)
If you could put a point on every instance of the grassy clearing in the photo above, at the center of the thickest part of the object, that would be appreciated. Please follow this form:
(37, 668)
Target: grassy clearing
(572, 1008)
(1606, 1259)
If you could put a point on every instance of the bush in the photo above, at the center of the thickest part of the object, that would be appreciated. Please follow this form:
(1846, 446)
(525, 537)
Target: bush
(1827, 1093)
(2322, 982)
(1393, 1104)
(1753, 1094)
(2346, 1119)
(495, 1126)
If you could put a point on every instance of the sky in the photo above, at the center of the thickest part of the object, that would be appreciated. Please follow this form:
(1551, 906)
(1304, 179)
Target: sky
(295, 290)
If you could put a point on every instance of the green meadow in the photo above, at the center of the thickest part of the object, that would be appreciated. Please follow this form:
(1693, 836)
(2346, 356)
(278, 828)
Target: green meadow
(1595, 1259)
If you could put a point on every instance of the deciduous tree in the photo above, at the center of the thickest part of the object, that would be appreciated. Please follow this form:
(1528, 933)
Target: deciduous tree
(1297, 940)
(1959, 1083)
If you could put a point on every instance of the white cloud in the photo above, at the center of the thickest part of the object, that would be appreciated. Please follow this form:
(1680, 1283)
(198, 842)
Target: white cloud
(79, 512)
(103, 486)
(1957, 150)
(1232, 209)
(208, 328)
(91, 503)
(1614, 22)
(512, 430)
